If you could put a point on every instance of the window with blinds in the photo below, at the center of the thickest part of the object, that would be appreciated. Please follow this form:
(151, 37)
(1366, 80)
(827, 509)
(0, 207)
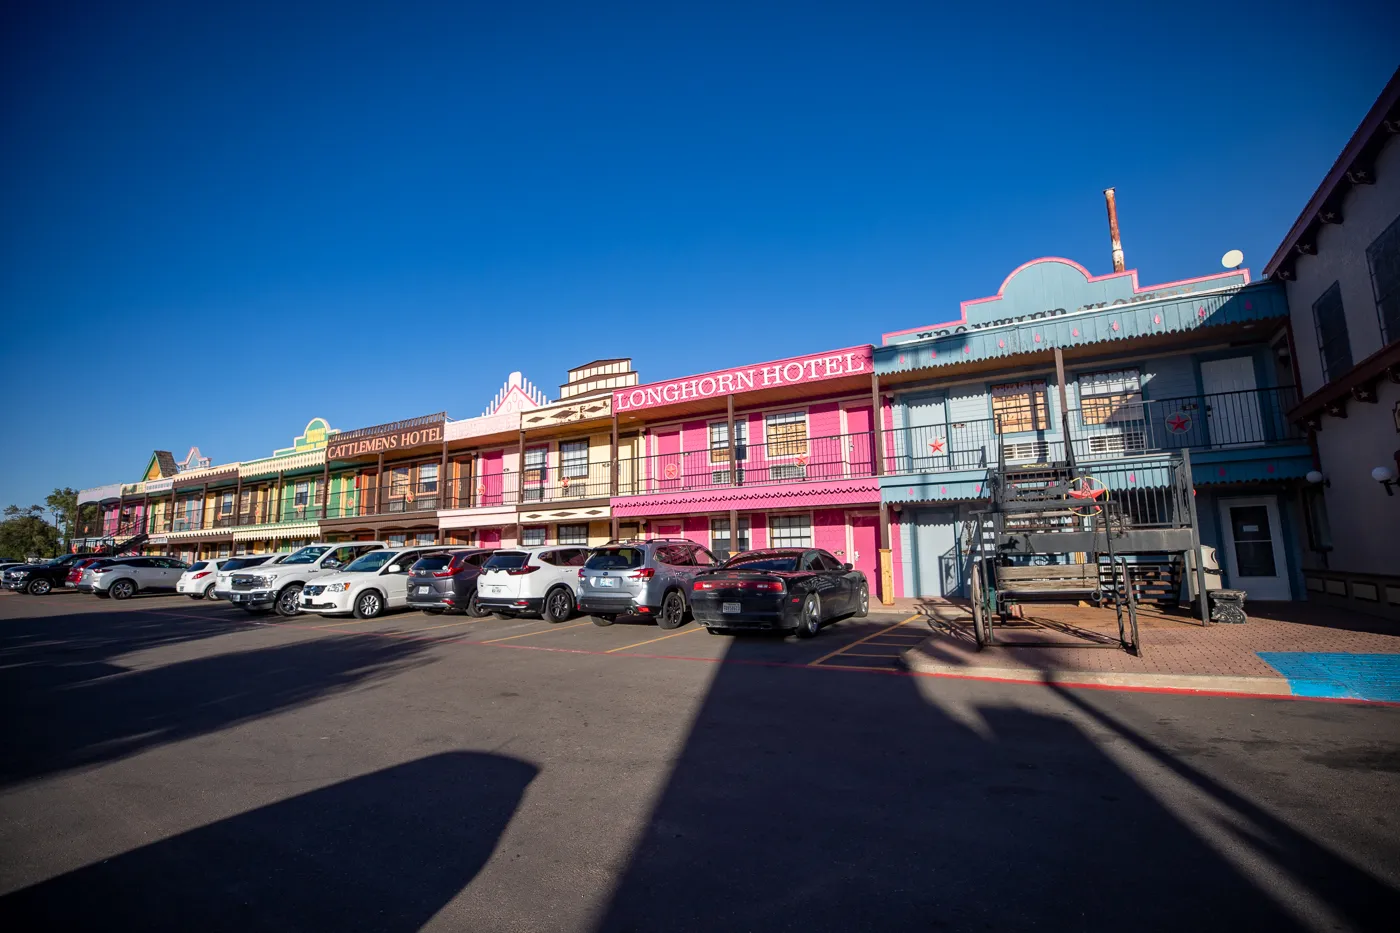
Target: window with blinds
(573, 534)
(532, 537)
(719, 439)
(573, 459)
(786, 434)
(1111, 396)
(428, 478)
(790, 531)
(1019, 406)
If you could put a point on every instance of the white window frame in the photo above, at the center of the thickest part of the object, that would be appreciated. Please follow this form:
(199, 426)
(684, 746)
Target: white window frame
(423, 481)
(786, 517)
(559, 536)
(573, 462)
(527, 534)
(768, 456)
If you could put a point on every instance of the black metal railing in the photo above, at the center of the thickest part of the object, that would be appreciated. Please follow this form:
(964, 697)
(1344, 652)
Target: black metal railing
(794, 459)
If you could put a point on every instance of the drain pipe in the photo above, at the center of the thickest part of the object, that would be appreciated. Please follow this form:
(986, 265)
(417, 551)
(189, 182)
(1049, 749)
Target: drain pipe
(1113, 229)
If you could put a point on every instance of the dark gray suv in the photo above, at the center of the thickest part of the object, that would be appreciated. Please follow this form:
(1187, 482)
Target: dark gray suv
(651, 579)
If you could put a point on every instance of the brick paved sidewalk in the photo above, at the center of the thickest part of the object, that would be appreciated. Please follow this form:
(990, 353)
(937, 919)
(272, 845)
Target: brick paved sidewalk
(1285, 649)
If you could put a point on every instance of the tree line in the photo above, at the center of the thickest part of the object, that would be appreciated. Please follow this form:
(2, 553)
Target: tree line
(40, 530)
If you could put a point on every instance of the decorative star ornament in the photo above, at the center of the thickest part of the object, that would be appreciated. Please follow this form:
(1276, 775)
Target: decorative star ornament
(937, 445)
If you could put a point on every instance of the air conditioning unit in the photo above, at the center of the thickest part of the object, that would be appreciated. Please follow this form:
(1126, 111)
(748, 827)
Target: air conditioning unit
(1117, 443)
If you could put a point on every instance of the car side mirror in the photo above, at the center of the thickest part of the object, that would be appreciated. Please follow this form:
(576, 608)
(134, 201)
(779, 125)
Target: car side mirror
(394, 568)
(332, 565)
(846, 567)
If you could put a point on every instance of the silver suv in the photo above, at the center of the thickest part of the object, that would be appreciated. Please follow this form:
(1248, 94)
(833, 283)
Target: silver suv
(646, 578)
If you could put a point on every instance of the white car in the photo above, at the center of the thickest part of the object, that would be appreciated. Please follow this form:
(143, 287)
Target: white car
(223, 580)
(127, 576)
(375, 582)
(258, 589)
(538, 581)
(198, 581)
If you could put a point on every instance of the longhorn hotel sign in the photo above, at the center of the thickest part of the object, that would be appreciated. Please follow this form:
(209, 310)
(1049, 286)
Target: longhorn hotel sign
(386, 442)
(796, 371)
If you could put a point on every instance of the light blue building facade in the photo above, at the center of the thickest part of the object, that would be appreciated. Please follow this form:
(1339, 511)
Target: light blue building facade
(1201, 366)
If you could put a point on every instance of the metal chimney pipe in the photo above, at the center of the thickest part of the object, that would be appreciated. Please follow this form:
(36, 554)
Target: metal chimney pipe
(1113, 229)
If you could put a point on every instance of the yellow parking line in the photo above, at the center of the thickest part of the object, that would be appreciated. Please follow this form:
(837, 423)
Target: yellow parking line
(552, 628)
(862, 641)
(650, 640)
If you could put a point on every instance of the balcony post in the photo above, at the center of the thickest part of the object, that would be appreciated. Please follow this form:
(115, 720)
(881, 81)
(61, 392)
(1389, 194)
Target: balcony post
(733, 532)
(325, 489)
(204, 507)
(170, 519)
(877, 437)
(277, 501)
(473, 499)
(520, 471)
(613, 485)
(145, 512)
(1064, 407)
(1203, 601)
(733, 466)
(237, 498)
(379, 486)
(441, 494)
(886, 558)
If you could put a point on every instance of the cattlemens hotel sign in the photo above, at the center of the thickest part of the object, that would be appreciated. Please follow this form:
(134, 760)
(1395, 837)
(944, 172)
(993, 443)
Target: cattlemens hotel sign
(386, 438)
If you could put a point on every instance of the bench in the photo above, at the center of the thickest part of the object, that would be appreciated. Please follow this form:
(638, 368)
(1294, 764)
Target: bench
(1051, 581)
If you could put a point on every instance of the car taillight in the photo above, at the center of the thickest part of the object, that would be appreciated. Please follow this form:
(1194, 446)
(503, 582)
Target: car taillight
(202, 573)
(580, 573)
(521, 571)
(444, 573)
(644, 574)
(775, 586)
(703, 585)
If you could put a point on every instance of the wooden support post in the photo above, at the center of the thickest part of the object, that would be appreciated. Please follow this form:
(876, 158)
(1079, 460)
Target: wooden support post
(325, 489)
(379, 487)
(877, 425)
(615, 530)
(733, 532)
(442, 480)
(520, 472)
(613, 486)
(886, 558)
(237, 499)
(1064, 407)
(1202, 599)
(205, 521)
(733, 464)
(277, 502)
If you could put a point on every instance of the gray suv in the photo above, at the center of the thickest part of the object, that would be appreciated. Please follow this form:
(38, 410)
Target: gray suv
(646, 578)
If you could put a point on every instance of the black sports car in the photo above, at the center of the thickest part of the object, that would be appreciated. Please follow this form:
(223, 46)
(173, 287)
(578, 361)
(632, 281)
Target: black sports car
(778, 589)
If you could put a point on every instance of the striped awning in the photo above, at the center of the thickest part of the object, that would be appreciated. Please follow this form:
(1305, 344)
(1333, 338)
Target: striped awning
(284, 530)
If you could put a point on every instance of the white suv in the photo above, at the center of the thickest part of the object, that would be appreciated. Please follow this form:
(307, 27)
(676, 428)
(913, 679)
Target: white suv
(127, 576)
(279, 586)
(537, 580)
(373, 583)
(198, 581)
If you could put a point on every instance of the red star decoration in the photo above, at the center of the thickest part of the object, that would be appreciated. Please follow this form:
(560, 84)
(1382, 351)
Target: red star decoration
(1086, 492)
(937, 445)
(1178, 423)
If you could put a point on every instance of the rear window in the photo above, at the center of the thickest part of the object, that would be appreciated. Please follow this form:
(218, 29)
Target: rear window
(616, 558)
(199, 565)
(764, 561)
(506, 560)
(433, 562)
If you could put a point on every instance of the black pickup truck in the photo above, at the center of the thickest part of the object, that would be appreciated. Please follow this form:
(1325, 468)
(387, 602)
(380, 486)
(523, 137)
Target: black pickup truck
(41, 579)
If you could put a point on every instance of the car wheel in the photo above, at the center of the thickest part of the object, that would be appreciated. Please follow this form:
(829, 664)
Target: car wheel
(558, 605)
(39, 587)
(209, 593)
(122, 589)
(604, 621)
(811, 621)
(369, 604)
(863, 601)
(474, 609)
(288, 601)
(672, 614)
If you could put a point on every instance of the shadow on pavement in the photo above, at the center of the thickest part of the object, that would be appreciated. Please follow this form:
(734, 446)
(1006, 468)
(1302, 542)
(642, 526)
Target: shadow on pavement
(69, 705)
(816, 800)
(384, 851)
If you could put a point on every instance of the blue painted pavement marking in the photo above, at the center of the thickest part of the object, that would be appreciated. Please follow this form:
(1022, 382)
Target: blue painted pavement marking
(1353, 676)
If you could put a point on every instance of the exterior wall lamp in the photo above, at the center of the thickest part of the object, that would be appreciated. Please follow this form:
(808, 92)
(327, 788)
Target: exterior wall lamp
(1316, 478)
(1386, 477)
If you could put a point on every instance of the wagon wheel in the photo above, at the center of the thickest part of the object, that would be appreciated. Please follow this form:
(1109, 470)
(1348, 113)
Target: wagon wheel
(1087, 496)
(981, 625)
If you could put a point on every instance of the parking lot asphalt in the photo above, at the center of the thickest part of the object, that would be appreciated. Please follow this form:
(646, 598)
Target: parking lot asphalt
(171, 764)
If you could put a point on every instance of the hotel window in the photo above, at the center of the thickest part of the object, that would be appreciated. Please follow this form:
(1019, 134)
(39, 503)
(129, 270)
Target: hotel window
(719, 440)
(790, 531)
(573, 460)
(573, 534)
(398, 482)
(226, 504)
(534, 473)
(245, 501)
(425, 537)
(1383, 256)
(719, 538)
(396, 540)
(1019, 406)
(532, 537)
(428, 478)
(786, 434)
(301, 495)
(1329, 317)
(1110, 396)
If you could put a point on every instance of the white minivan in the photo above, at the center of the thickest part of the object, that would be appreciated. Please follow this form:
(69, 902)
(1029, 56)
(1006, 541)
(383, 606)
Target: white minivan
(534, 581)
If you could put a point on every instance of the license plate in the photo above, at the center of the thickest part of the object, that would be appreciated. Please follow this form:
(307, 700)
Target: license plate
(424, 590)
(729, 607)
(495, 590)
(605, 581)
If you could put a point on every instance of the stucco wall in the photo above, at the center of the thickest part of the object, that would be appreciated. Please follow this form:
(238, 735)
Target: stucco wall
(1341, 258)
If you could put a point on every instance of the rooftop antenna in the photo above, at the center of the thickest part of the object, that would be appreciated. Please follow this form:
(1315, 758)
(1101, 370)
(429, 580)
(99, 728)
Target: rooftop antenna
(1232, 259)
(1113, 229)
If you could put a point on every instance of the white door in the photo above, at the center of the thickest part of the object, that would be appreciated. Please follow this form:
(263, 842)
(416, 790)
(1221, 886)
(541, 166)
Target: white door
(1254, 555)
(1232, 401)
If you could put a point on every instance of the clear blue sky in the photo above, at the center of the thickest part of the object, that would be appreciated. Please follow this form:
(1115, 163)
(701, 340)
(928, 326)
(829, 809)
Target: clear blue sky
(218, 224)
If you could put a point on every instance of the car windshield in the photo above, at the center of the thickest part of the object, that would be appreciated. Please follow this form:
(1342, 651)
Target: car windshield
(370, 562)
(783, 560)
(506, 560)
(615, 558)
(306, 555)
